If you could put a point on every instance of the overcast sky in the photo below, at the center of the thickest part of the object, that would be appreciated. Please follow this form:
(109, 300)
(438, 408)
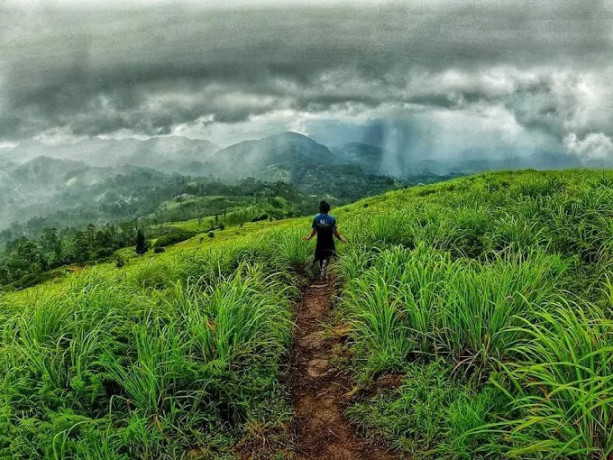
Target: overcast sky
(428, 78)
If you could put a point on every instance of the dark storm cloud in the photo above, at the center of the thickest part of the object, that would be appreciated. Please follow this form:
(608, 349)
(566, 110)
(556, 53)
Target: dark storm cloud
(98, 71)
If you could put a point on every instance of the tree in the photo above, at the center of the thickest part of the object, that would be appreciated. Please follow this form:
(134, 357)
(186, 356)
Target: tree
(103, 242)
(141, 242)
(27, 259)
(5, 275)
(82, 247)
(52, 243)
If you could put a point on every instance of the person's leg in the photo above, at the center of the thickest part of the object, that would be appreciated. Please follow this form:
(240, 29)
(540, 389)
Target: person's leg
(324, 268)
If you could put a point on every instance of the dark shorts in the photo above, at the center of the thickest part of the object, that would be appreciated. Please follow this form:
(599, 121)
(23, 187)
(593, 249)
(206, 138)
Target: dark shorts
(324, 253)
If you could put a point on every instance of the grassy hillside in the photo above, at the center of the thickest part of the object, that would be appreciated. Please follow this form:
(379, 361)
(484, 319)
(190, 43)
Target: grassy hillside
(481, 326)
(171, 355)
(488, 299)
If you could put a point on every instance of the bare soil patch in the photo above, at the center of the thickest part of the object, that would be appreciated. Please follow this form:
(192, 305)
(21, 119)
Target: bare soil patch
(320, 391)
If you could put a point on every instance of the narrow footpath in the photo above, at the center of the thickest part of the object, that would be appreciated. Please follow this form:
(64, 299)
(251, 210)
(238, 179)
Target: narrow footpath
(319, 390)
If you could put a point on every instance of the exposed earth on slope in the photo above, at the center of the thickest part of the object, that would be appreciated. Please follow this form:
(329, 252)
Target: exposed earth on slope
(320, 391)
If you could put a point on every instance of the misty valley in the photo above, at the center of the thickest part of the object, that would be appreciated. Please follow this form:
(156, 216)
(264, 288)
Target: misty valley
(57, 210)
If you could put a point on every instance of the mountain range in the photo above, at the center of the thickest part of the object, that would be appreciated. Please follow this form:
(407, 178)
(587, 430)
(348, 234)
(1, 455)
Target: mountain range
(168, 153)
(38, 178)
(284, 151)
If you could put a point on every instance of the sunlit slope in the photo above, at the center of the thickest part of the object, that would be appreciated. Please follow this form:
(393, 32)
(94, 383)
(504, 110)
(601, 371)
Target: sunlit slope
(488, 296)
(173, 354)
(489, 301)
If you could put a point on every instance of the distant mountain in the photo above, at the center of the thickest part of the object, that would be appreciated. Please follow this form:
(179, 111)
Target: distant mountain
(44, 185)
(287, 151)
(368, 157)
(44, 172)
(110, 174)
(345, 174)
(274, 158)
(173, 153)
(170, 153)
(49, 174)
(121, 178)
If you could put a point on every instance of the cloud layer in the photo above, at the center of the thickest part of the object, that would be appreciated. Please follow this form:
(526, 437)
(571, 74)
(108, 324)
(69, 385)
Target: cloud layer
(449, 79)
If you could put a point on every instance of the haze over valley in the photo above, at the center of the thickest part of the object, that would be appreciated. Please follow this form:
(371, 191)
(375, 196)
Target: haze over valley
(399, 90)
(39, 178)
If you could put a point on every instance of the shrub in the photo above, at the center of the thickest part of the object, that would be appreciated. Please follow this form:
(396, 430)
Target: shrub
(176, 236)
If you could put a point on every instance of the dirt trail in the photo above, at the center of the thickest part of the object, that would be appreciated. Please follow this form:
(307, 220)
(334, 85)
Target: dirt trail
(319, 390)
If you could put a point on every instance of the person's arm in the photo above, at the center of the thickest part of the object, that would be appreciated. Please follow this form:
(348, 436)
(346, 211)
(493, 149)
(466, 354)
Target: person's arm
(339, 236)
(308, 237)
(313, 231)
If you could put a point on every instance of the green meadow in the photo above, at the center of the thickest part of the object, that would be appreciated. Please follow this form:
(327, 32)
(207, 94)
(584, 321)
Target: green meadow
(486, 298)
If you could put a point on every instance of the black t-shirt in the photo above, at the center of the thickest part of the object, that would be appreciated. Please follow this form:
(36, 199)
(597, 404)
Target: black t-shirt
(325, 225)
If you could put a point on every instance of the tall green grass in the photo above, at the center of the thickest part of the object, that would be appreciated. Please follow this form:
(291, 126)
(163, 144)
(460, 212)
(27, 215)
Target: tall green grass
(503, 276)
(424, 301)
(174, 354)
(560, 387)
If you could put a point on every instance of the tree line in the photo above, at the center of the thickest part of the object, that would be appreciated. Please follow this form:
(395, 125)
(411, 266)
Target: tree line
(26, 259)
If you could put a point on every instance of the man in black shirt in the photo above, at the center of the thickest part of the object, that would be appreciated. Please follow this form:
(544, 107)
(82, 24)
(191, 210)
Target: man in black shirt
(324, 226)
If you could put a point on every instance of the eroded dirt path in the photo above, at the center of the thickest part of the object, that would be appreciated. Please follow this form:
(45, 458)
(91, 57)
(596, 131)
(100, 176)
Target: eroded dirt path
(319, 390)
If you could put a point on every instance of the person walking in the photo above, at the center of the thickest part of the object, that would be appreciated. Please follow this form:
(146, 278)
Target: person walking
(324, 226)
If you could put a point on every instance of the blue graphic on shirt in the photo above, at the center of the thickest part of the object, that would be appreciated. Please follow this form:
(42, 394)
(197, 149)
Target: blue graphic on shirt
(324, 222)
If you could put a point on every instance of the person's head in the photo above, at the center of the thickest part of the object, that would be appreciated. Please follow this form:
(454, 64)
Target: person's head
(324, 207)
